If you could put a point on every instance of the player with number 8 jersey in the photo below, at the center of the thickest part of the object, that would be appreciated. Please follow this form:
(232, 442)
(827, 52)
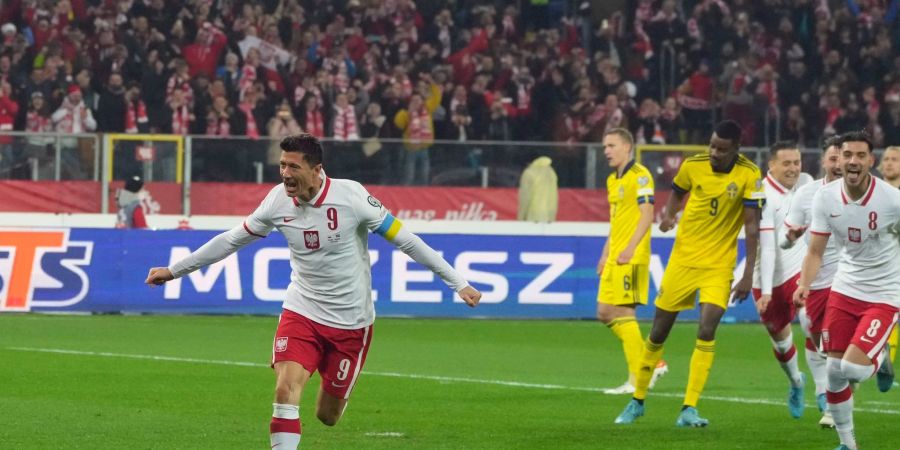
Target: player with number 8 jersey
(862, 213)
(326, 323)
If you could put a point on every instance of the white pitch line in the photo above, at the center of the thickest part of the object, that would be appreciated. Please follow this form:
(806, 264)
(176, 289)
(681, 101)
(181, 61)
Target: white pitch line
(442, 379)
(130, 356)
(386, 434)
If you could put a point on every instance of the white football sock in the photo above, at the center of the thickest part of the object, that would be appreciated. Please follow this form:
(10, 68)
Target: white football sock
(787, 357)
(816, 363)
(284, 436)
(840, 403)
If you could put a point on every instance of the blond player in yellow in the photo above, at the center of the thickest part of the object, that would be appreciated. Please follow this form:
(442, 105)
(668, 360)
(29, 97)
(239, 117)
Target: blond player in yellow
(624, 265)
(726, 191)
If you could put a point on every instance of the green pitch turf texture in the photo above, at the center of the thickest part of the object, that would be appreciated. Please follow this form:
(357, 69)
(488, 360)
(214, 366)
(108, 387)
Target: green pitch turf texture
(160, 382)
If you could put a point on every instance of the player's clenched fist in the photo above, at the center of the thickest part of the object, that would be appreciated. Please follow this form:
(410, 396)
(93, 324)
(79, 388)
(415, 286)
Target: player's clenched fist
(800, 295)
(158, 276)
(470, 295)
(667, 223)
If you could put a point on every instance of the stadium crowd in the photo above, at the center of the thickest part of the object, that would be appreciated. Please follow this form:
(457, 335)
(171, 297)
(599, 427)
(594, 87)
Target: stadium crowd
(460, 70)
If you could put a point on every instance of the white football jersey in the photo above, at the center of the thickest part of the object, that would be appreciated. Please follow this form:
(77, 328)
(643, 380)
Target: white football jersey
(331, 277)
(868, 233)
(778, 201)
(800, 216)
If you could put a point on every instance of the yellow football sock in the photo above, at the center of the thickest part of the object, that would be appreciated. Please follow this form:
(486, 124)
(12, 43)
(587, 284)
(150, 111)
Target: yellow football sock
(893, 341)
(627, 330)
(649, 357)
(701, 362)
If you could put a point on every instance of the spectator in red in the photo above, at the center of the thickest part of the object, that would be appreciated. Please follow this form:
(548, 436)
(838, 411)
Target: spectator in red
(312, 118)
(344, 124)
(136, 120)
(283, 124)
(181, 80)
(203, 54)
(219, 117)
(246, 108)
(696, 96)
(8, 111)
(249, 72)
(182, 117)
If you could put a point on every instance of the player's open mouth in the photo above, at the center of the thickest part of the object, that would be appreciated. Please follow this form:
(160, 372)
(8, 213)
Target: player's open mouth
(853, 175)
(290, 185)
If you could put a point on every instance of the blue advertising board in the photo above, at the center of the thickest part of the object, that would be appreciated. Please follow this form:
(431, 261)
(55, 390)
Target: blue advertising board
(103, 270)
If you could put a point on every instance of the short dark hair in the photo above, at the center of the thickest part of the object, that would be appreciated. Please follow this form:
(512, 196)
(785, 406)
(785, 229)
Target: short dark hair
(857, 136)
(306, 144)
(782, 145)
(832, 141)
(729, 129)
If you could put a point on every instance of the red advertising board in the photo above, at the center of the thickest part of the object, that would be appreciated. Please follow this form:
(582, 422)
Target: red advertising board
(426, 203)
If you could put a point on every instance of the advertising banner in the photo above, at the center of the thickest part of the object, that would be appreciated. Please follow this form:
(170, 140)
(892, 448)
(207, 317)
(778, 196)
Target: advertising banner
(103, 270)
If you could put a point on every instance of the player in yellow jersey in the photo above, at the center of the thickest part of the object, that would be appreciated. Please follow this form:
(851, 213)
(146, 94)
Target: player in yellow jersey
(624, 265)
(726, 191)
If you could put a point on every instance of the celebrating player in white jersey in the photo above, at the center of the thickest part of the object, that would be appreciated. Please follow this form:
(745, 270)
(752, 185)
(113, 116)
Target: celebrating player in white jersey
(326, 324)
(889, 168)
(862, 213)
(778, 267)
(812, 312)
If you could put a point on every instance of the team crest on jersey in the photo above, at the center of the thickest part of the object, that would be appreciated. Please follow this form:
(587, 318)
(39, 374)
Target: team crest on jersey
(374, 202)
(311, 238)
(759, 185)
(621, 191)
(732, 190)
(825, 336)
(643, 181)
(281, 344)
(854, 234)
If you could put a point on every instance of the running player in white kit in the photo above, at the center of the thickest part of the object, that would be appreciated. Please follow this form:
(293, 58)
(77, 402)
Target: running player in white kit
(778, 267)
(326, 324)
(812, 311)
(862, 213)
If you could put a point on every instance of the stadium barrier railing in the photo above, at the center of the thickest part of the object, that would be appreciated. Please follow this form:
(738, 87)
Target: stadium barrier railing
(178, 164)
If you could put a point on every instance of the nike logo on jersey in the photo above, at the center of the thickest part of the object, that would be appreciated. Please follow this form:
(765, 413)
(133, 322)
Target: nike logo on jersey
(863, 338)
(834, 215)
(338, 385)
(288, 220)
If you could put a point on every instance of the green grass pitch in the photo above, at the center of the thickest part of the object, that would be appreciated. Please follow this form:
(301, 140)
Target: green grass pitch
(161, 382)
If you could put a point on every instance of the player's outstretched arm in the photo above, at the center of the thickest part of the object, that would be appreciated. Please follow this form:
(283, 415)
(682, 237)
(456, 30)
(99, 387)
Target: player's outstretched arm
(217, 249)
(751, 244)
(392, 229)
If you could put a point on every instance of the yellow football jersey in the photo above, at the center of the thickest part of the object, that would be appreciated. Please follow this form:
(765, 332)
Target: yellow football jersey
(708, 230)
(626, 194)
